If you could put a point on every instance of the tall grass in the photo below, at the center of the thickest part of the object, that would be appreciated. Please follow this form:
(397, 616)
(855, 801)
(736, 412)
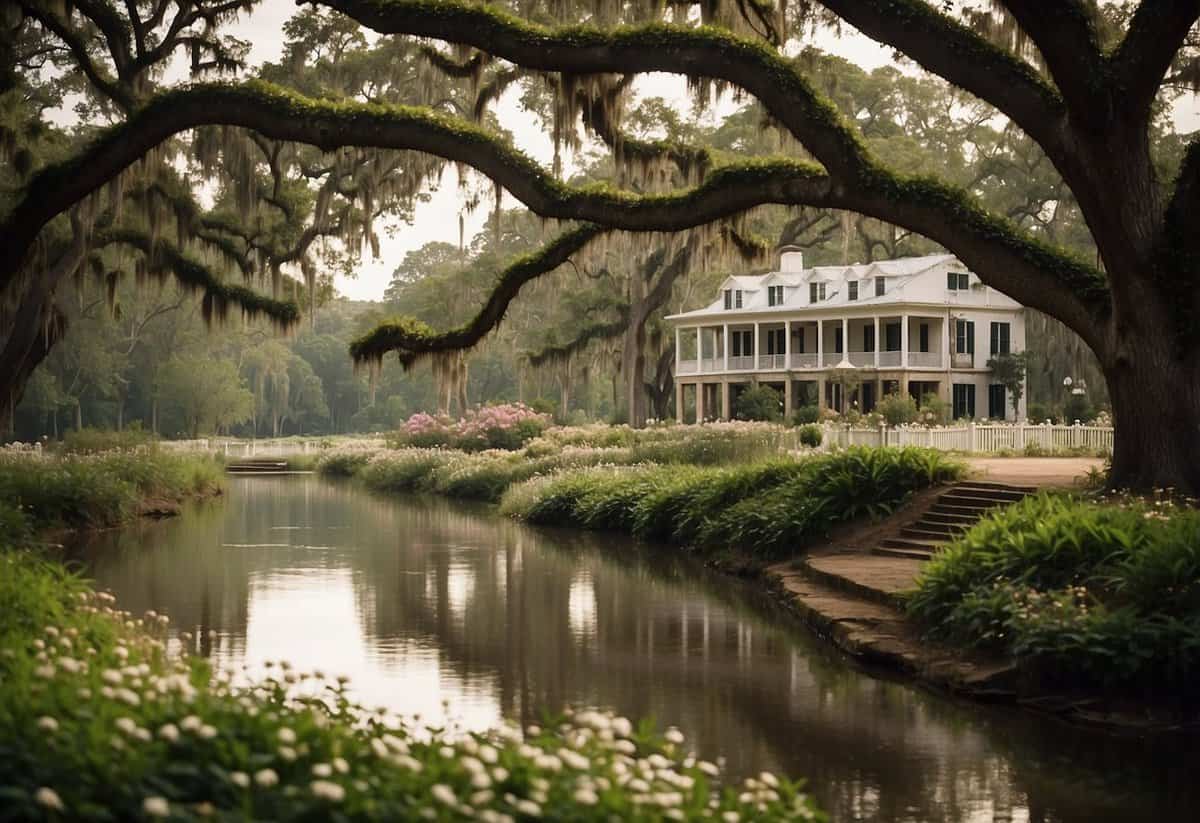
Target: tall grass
(1076, 591)
(768, 509)
(101, 490)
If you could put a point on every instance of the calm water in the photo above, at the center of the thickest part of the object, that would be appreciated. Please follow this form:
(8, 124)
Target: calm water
(422, 600)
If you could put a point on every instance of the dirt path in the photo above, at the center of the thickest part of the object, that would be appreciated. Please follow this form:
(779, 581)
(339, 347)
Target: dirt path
(1048, 472)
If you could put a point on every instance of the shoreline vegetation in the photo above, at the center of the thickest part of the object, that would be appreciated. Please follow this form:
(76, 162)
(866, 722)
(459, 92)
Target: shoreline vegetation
(104, 716)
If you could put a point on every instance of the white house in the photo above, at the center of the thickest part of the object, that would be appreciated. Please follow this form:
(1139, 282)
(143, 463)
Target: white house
(839, 336)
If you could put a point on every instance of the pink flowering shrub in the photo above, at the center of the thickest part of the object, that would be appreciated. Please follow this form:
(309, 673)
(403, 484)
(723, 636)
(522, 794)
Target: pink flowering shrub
(507, 426)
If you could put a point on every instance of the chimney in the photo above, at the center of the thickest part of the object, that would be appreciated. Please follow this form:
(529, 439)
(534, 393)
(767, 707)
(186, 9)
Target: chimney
(791, 260)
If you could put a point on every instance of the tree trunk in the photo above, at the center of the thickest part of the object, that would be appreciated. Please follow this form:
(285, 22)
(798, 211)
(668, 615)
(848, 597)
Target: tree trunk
(1156, 420)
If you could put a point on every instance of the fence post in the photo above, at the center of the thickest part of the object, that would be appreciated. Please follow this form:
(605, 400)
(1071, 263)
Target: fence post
(972, 437)
(1020, 441)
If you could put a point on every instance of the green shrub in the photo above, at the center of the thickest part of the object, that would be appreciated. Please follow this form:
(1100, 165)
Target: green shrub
(898, 409)
(811, 435)
(99, 723)
(1096, 593)
(934, 410)
(343, 462)
(761, 403)
(92, 441)
(403, 469)
(805, 415)
(100, 490)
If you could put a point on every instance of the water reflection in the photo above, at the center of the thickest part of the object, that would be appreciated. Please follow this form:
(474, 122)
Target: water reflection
(422, 600)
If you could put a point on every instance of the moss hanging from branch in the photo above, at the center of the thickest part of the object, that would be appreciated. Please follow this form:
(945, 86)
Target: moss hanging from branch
(413, 340)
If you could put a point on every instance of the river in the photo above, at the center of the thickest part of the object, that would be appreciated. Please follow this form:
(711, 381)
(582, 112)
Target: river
(453, 613)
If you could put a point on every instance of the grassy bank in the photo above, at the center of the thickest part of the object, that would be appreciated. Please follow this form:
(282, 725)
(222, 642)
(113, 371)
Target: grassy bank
(100, 721)
(769, 509)
(84, 490)
(1090, 594)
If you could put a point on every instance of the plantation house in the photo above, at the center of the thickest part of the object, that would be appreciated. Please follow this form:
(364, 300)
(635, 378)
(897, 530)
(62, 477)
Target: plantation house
(842, 337)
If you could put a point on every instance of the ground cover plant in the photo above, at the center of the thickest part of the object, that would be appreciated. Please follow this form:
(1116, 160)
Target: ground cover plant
(100, 490)
(506, 426)
(101, 719)
(1080, 592)
(769, 510)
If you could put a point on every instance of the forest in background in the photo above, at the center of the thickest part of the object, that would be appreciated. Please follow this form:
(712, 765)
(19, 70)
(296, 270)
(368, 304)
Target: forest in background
(586, 342)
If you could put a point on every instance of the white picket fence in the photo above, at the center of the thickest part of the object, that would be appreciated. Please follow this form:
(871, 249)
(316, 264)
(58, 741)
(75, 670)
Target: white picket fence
(231, 448)
(977, 438)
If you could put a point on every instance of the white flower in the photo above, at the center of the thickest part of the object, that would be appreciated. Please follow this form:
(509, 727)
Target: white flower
(190, 723)
(769, 779)
(622, 727)
(708, 768)
(169, 733)
(528, 807)
(48, 798)
(286, 735)
(240, 779)
(322, 770)
(443, 794)
(340, 765)
(328, 790)
(673, 735)
(45, 671)
(266, 778)
(586, 797)
(287, 753)
(47, 724)
(156, 806)
(125, 724)
(207, 732)
(731, 817)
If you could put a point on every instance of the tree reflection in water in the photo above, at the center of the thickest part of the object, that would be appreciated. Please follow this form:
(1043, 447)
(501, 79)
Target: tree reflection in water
(421, 600)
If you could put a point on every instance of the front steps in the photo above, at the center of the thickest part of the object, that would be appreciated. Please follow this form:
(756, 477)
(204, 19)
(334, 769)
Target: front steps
(955, 510)
(257, 466)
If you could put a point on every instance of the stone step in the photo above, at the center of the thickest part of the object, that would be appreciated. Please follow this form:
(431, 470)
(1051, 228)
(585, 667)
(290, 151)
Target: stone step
(876, 578)
(912, 554)
(989, 484)
(978, 505)
(973, 512)
(991, 495)
(931, 535)
(962, 521)
(911, 544)
(256, 466)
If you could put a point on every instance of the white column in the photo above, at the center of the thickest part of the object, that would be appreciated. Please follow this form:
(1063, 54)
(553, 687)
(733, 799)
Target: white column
(845, 338)
(821, 348)
(877, 346)
(754, 362)
(699, 348)
(699, 402)
(725, 345)
(787, 350)
(679, 350)
(904, 341)
(678, 400)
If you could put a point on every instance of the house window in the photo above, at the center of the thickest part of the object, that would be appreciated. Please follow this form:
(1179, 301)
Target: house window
(958, 281)
(728, 298)
(996, 399)
(1000, 338)
(816, 292)
(852, 290)
(742, 344)
(799, 335)
(774, 295)
(737, 299)
(868, 338)
(880, 286)
(964, 336)
(923, 337)
(891, 337)
(837, 340)
(776, 341)
(964, 400)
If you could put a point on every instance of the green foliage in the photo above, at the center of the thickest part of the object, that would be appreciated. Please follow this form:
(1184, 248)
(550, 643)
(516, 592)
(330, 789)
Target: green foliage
(898, 409)
(99, 723)
(769, 509)
(834, 488)
(805, 415)
(97, 491)
(1009, 370)
(811, 435)
(92, 441)
(1078, 407)
(1078, 592)
(934, 410)
(760, 403)
(342, 462)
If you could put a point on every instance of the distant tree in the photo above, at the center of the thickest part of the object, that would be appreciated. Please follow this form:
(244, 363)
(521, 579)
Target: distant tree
(208, 393)
(759, 403)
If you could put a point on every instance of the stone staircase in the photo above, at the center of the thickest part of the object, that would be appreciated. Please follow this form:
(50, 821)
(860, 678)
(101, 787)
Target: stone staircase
(954, 511)
(257, 466)
(854, 596)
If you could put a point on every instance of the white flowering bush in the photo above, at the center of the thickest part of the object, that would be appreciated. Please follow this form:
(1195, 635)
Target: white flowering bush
(99, 721)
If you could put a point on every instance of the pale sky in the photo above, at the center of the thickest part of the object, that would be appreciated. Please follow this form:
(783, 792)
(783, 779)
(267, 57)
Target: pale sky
(438, 218)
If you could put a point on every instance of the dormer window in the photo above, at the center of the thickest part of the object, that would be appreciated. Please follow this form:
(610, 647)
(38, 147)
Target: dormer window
(728, 299)
(958, 281)
(733, 298)
(880, 286)
(816, 292)
(774, 295)
(852, 290)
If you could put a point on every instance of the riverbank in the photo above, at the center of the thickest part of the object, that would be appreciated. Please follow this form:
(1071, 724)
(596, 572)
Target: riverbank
(47, 494)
